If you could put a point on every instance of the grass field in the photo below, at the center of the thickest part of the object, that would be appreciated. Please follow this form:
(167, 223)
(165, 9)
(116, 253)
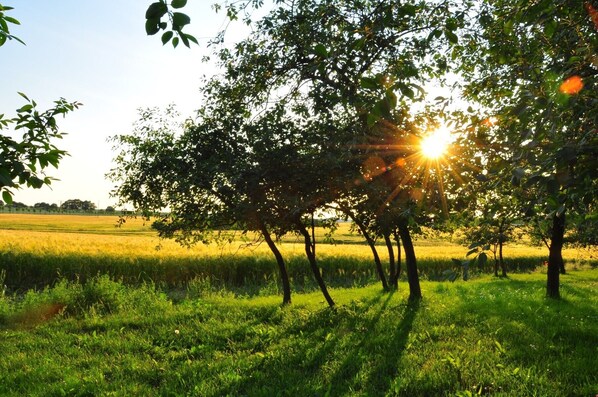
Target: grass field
(489, 336)
(111, 315)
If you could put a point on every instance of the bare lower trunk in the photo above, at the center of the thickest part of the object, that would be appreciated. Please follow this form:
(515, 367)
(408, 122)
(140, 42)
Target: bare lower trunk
(415, 292)
(309, 251)
(392, 279)
(282, 269)
(555, 257)
(372, 245)
(501, 261)
(398, 241)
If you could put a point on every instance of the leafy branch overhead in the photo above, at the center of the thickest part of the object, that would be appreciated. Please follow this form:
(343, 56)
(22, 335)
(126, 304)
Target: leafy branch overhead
(23, 161)
(4, 27)
(159, 16)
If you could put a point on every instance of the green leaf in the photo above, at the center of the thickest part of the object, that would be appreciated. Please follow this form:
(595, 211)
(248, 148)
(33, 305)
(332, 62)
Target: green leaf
(7, 197)
(191, 38)
(550, 28)
(24, 96)
(178, 3)
(369, 83)
(471, 251)
(185, 40)
(167, 36)
(11, 20)
(175, 42)
(452, 38)
(152, 26)
(156, 10)
(320, 50)
(179, 20)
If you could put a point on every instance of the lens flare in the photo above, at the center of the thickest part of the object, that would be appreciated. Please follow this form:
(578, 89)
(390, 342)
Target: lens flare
(572, 85)
(436, 144)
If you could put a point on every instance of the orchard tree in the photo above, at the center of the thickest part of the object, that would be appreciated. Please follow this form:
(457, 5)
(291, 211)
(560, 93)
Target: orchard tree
(338, 70)
(532, 66)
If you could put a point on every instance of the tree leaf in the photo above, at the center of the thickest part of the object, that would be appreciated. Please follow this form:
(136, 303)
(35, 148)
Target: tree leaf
(321, 51)
(152, 26)
(369, 83)
(178, 3)
(167, 36)
(452, 38)
(156, 10)
(179, 20)
(7, 197)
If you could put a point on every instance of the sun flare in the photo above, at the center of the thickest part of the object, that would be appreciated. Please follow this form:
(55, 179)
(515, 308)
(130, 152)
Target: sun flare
(436, 144)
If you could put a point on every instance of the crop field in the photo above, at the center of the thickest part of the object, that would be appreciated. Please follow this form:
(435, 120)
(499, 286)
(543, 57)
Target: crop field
(37, 250)
(91, 309)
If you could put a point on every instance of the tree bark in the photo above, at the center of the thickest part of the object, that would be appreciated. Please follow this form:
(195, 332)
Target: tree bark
(309, 251)
(284, 276)
(372, 245)
(501, 240)
(415, 292)
(392, 279)
(555, 256)
(398, 240)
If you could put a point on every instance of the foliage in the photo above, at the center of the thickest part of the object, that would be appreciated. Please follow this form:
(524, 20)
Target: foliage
(22, 162)
(177, 20)
(4, 26)
(531, 66)
(78, 205)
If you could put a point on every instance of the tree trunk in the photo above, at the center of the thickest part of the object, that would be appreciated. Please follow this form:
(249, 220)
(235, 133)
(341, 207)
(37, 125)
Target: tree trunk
(398, 241)
(286, 285)
(392, 279)
(415, 292)
(495, 260)
(503, 267)
(309, 251)
(372, 245)
(555, 256)
(501, 240)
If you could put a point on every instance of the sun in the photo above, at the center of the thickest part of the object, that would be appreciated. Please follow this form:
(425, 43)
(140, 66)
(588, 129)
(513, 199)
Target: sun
(436, 144)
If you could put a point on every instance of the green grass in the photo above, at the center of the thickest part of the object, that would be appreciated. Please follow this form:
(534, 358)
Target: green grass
(488, 336)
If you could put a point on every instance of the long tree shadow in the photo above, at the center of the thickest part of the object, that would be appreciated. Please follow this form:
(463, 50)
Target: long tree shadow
(307, 348)
(383, 348)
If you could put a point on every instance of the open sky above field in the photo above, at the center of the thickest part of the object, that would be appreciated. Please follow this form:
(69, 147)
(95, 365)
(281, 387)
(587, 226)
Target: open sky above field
(97, 53)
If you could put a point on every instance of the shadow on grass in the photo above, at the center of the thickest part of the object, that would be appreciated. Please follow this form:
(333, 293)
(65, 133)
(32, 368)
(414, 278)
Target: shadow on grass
(345, 346)
(536, 331)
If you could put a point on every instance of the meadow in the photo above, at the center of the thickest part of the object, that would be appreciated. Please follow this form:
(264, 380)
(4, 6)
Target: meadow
(90, 309)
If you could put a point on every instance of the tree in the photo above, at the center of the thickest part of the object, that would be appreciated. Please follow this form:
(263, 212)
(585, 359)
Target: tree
(337, 74)
(23, 161)
(203, 175)
(531, 65)
(78, 205)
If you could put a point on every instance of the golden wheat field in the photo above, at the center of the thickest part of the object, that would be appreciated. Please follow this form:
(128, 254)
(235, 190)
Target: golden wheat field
(64, 235)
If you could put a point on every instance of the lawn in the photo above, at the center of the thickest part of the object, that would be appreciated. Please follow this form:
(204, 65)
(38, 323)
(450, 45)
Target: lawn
(488, 336)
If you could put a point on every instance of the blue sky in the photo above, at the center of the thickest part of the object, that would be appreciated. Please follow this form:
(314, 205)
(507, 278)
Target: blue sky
(98, 53)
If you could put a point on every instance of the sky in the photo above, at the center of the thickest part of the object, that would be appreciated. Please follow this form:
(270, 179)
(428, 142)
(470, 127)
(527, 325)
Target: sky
(97, 53)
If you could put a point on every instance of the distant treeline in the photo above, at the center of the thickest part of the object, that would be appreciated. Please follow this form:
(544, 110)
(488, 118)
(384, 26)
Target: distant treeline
(69, 206)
